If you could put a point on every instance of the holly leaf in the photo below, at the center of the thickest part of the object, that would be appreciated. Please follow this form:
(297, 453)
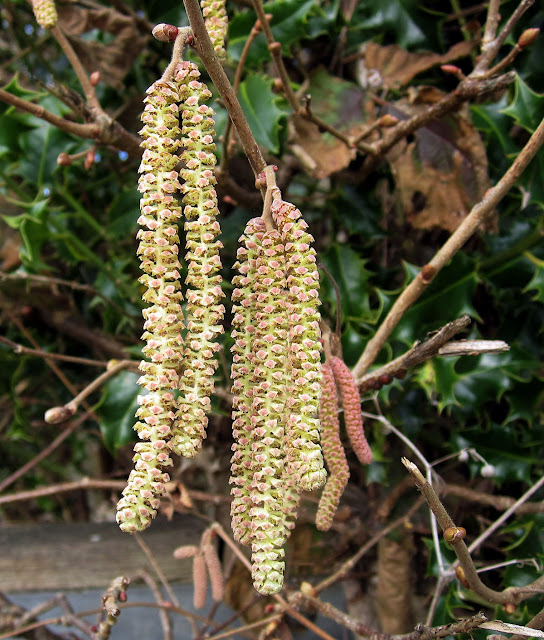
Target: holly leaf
(289, 24)
(352, 279)
(527, 107)
(261, 109)
(536, 283)
(32, 227)
(117, 408)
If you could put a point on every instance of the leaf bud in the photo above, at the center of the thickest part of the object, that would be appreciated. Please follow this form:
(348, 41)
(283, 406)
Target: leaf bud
(165, 32)
(488, 471)
(94, 78)
(528, 37)
(388, 120)
(64, 160)
(58, 414)
(453, 534)
(510, 608)
(460, 574)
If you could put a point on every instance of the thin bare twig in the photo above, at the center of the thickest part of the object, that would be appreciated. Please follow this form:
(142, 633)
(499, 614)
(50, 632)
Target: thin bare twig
(510, 595)
(205, 50)
(477, 216)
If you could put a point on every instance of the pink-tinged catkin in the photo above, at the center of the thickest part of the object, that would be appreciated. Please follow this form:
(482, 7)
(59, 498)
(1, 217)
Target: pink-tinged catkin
(158, 251)
(200, 581)
(243, 330)
(204, 313)
(303, 451)
(216, 22)
(215, 570)
(334, 453)
(351, 403)
(267, 491)
(45, 13)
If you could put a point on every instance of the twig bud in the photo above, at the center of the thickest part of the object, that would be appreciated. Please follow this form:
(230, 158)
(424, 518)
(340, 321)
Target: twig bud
(58, 414)
(64, 159)
(388, 120)
(94, 78)
(454, 534)
(165, 32)
(528, 37)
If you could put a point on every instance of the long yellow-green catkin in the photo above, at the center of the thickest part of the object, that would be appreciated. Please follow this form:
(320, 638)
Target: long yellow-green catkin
(204, 313)
(158, 251)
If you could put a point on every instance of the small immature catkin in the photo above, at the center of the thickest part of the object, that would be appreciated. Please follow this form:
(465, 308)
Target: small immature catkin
(200, 580)
(351, 402)
(204, 312)
(333, 451)
(45, 13)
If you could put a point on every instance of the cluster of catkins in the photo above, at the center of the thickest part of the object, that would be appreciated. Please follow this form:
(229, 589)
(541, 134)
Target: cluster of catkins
(178, 371)
(276, 374)
(336, 373)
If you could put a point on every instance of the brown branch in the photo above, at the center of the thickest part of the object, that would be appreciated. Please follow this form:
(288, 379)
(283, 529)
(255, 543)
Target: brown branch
(166, 623)
(84, 484)
(90, 131)
(500, 503)
(421, 632)
(511, 595)
(205, 50)
(19, 349)
(275, 51)
(73, 59)
(416, 355)
(347, 566)
(255, 30)
(477, 216)
(490, 48)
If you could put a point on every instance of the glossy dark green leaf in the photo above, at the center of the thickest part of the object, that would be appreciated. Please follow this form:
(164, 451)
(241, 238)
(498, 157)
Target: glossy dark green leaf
(117, 408)
(262, 110)
(527, 107)
(288, 24)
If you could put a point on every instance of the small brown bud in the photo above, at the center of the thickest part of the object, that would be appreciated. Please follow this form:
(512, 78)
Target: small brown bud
(453, 534)
(64, 160)
(94, 78)
(388, 120)
(428, 273)
(274, 47)
(89, 160)
(510, 608)
(58, 414)
(165, 32)
(277, 86)
(453, 70)
(528, 37)
(385, 379)
(308, 589)
(460, 573)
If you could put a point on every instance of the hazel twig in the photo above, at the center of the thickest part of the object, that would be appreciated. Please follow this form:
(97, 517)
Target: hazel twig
(477, 216)
(275, 50)
(205, 50)
(510, 595)
(73, 59)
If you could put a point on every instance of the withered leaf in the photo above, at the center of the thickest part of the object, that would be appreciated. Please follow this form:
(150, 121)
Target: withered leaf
(342, 105)
(397, 66)
(113, 60)
(440, 174)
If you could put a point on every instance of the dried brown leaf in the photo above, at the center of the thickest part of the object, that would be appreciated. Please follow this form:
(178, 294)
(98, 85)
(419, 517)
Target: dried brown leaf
(397, 66)
(442, 173)
(113, 60)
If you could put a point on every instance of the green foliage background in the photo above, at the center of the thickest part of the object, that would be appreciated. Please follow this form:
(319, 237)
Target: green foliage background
(80, 225)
